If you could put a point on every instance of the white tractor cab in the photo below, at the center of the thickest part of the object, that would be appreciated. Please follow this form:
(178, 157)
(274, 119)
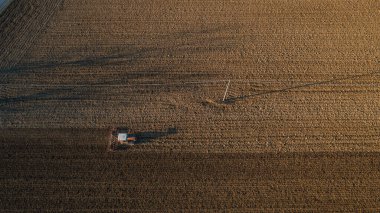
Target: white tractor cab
(122, 137)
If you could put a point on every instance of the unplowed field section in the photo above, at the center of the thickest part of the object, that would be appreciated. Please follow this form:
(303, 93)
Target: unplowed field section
(68, 169)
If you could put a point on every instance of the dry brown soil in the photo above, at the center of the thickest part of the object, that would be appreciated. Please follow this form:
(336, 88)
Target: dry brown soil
(299, 129)
(70, 170)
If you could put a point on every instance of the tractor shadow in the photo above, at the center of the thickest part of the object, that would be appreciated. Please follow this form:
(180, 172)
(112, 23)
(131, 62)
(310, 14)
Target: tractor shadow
(147, 137)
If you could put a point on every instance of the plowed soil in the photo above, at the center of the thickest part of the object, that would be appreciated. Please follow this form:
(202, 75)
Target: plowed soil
(298, 131)
(69, 170)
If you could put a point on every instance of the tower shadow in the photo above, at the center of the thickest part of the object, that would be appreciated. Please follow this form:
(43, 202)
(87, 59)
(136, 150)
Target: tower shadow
(311, 84)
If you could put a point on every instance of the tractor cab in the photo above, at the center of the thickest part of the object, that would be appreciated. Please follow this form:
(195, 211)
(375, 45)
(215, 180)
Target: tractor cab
(122, 137)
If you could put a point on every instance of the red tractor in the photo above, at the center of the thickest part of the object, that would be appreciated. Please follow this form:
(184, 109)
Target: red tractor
(122, 138)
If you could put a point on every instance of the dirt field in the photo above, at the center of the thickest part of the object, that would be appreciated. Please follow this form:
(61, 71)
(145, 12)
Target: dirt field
(299, 129)
(4, 4)
(69, 170)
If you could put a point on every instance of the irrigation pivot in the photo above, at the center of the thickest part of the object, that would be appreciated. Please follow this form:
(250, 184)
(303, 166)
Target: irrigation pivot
(225, 93)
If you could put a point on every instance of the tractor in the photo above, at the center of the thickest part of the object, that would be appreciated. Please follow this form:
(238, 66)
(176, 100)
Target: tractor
(122, 138)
